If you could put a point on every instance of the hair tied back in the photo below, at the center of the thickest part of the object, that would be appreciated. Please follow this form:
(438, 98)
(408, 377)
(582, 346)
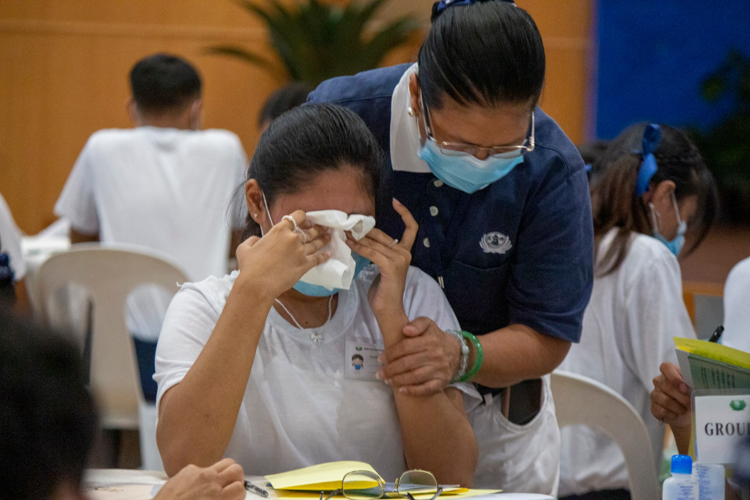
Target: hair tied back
(651, 138)
(439, 7)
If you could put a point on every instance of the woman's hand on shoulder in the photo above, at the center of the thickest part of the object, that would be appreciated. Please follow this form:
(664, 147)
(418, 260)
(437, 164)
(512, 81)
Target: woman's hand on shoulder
(274, 263)
(393, 257)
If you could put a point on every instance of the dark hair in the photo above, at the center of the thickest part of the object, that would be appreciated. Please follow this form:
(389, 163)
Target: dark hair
(308, 140)
(47, 417)
(357, 356)
(485, 53)
(163, 82)
(613, 199)
(284, 99)
(591, 151)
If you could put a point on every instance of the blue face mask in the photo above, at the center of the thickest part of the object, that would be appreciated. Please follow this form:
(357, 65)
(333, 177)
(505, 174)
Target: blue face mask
(675, 245)
(467, 173)
(321, 291)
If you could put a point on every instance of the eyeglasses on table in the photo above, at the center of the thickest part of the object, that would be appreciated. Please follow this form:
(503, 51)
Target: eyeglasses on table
(366, 485)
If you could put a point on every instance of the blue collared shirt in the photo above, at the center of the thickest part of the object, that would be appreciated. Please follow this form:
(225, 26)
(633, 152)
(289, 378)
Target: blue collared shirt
(518, 251)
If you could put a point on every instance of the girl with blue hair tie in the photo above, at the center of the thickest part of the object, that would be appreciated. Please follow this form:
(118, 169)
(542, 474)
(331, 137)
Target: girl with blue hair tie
(650, 191)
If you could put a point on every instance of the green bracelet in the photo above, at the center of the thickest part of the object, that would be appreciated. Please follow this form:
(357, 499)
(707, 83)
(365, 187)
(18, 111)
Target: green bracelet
(478, 358)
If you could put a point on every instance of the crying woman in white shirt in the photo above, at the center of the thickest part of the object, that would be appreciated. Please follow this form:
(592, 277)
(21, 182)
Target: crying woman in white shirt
(258, 366)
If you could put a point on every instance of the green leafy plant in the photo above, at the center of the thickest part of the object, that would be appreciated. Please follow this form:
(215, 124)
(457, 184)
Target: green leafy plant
(316, 41)
(726, 147)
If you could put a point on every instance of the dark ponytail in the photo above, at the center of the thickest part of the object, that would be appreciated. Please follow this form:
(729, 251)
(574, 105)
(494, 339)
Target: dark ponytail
(485, 53)
(613, 184)
(306, 141)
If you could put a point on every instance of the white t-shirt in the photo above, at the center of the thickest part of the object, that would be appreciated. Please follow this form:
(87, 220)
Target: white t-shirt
(302, 405)
(165, 189)
(736, 311)
(10, 241)
(627, 333)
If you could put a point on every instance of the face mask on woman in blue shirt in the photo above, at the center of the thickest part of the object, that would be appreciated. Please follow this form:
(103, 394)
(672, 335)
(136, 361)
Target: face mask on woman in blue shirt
(457, 165)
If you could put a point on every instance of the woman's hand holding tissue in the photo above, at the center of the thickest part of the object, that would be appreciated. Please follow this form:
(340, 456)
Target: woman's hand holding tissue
(393, 258)
(274, 263)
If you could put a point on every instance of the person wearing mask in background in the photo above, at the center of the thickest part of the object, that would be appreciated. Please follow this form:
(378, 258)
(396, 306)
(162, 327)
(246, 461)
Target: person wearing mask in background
(164, 185)
(648, 190)
(286, 98)
(48, 423)
(12, 267)
(501, 198)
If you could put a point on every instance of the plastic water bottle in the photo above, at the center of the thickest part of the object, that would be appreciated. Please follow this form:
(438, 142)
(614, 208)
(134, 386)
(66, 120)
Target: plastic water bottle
(681, 486)
(710, 479)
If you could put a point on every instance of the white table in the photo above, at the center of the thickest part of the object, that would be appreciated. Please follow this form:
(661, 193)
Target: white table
(123, 484)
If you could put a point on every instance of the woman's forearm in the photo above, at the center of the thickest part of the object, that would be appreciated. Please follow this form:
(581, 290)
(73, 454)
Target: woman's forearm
(437, 436)
(435, 431)
(197, 416)
(517, 353)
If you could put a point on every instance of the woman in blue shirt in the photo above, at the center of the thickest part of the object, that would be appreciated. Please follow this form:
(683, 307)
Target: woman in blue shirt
(501, 197)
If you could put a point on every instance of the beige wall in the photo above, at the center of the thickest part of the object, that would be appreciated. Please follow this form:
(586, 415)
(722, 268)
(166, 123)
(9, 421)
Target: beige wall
(64, 65)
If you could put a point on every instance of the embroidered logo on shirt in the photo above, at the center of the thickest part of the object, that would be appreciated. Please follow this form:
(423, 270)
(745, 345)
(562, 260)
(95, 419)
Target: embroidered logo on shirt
(495, 242)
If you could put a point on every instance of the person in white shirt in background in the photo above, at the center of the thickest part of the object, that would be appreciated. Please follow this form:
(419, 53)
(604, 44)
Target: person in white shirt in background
(648, 189)
(12, 267)
(736, 311)
(165, 185)
(257, 366)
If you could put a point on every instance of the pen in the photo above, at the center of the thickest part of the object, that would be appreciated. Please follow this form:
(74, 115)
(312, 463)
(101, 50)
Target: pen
(717, 334)
(255, 489)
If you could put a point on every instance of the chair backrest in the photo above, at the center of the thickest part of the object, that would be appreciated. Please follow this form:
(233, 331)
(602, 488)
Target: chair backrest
(698, 297)
(580, 400)
(110, 274)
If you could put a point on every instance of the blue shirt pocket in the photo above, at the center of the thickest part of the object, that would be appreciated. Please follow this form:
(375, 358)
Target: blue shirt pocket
(477, 296)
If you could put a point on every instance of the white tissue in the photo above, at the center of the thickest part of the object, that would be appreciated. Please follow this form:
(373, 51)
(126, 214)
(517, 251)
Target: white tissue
(338, 271)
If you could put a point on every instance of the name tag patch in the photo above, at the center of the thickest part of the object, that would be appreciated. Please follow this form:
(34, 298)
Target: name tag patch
(361, 360)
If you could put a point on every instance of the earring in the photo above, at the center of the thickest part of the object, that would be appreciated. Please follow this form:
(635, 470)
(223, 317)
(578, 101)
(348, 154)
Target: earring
(255, 215)
(410, 111)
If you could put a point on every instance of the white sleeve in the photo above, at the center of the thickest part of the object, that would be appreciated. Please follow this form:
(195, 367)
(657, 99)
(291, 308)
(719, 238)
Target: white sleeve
(736, 310)
(77, 201)
(423, 297)
(10, 241)
(188, 324)
(239, 169)
(655, 314)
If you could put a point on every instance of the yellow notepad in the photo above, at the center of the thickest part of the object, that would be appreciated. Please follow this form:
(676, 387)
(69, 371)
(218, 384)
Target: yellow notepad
(306, 483)
(322, 477)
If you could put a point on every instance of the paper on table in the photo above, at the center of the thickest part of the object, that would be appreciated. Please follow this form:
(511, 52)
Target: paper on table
(309, 495)
(298, 484)
(322, 477)
(714, 351)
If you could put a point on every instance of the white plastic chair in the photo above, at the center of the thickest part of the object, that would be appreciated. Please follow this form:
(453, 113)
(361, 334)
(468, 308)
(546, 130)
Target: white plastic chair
(580, 400)
(110, 274)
